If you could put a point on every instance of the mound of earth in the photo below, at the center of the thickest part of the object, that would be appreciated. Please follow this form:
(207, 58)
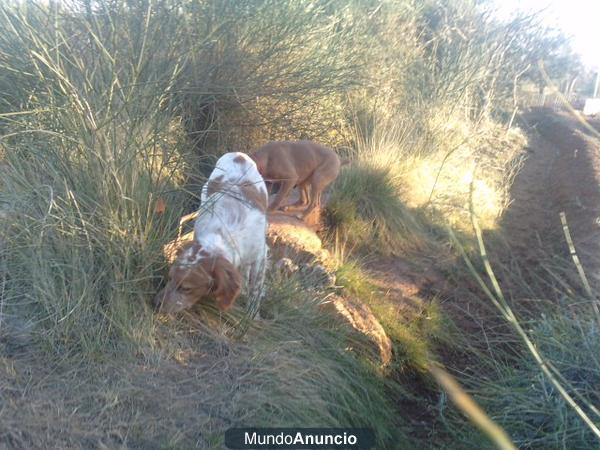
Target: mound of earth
(360, 317)
(294, 244)
(290, 237)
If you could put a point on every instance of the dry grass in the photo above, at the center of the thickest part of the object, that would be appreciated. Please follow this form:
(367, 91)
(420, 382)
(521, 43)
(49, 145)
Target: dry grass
(294, 367)
(469, 168)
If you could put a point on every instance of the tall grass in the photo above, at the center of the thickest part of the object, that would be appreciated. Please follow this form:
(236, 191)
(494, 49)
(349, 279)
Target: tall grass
(90, 152)
(101, 109)
(536, 376)
(366, 199)
(99, 117)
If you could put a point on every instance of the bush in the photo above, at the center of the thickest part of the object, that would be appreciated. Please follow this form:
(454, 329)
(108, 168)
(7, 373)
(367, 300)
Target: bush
(91, 151)
(366, 211)
(266, 70)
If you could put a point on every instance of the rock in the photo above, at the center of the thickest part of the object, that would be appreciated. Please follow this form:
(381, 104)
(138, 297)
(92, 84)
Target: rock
(290, 237)
(360, 317)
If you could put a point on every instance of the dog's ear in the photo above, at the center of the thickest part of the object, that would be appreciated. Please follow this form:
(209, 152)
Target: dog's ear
(228, 283)
(160, 206)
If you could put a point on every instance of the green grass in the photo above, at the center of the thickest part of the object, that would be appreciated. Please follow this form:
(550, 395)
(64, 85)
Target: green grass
(97, 125)
(92, 151)
(414, 338)
(331, 385)
(510, 386)
(365, 203)
(535, 354)
(295, 368)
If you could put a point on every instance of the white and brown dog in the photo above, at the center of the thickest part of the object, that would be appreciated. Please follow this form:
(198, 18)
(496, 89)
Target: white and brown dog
(229, 246)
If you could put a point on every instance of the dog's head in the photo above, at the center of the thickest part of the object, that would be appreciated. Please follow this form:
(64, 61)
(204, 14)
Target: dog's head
(260, 159)
(196, 274)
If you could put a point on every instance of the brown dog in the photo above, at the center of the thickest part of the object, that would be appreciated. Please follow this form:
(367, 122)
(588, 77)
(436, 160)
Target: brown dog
(308, 165)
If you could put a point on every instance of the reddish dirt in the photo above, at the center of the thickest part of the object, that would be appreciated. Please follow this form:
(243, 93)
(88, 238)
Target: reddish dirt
(406, 283)
(560, 174)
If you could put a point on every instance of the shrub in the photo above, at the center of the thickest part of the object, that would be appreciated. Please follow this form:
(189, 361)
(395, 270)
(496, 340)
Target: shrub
(365, 209)
(91, 150)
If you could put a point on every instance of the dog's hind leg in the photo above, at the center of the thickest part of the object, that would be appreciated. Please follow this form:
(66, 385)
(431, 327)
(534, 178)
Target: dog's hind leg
(320, 179)
(318, 182)
(304, 199)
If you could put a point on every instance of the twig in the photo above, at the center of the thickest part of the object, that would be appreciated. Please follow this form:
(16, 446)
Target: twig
(501, 303)
(577, 262)
(471, 409)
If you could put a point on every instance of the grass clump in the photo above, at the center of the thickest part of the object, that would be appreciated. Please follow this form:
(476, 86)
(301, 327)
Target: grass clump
(546, 419)
(86, 160)
(365, 209)
(414, 336)
(296, 368)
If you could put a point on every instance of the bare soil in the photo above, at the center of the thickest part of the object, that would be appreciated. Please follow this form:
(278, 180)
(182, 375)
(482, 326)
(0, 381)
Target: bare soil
(561, 174)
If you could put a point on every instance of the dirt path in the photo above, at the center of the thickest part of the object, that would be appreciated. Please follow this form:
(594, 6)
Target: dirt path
(560, 174)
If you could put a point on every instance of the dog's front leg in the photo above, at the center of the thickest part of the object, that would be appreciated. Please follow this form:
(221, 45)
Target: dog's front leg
(256, 283)
(284, 192)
